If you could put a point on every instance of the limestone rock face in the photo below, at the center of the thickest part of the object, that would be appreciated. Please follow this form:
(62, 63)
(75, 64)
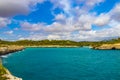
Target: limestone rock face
(109, 46)
(9, 49)
(6, 50)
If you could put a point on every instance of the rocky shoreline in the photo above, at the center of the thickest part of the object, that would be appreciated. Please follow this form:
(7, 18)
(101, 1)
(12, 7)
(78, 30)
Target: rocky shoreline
(9, 76)
(51, 46)
(10, 49)
(14, 48)
(108, 47)
(4, 50)
(5, 74)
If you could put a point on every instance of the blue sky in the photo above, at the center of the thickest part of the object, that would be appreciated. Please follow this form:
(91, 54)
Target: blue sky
(78, 20)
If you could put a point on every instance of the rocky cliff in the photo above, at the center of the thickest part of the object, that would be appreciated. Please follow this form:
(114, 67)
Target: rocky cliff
(108, 46)
(9, 49)
(4, 73)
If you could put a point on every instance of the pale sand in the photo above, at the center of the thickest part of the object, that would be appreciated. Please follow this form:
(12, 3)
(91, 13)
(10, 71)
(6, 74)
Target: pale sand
(9, 76)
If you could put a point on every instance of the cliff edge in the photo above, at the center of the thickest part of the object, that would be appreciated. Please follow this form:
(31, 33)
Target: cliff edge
(108, 46)
(9, 49)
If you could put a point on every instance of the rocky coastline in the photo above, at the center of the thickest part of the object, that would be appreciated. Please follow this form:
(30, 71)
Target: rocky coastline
(51, 46)
(5, 74)
(10, 49)
(9, 76)
(4, 50)
(108, 47)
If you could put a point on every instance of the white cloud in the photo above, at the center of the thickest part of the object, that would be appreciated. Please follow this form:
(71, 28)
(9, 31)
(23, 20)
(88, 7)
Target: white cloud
(14, 7)
(84, 21)
(92, 3)
(53, 37)
(59, 33)
(60, 17)
(58, 27)
(63, 4)
(21, 38)
(115, 12)
(79, 17)
(31, 27)
(8, 32)
(35, 36)
(74, 22)
(102, 20)
(88, 4)
(4, 22)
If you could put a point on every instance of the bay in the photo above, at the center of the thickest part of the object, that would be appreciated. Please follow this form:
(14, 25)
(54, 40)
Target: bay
(64, 64)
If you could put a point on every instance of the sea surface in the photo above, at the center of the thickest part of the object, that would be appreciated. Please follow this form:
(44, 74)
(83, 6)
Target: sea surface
(64, 64)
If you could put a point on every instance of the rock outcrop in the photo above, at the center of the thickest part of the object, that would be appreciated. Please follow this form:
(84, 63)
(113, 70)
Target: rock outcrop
(9, 49)
(109, 46)
(6, 50)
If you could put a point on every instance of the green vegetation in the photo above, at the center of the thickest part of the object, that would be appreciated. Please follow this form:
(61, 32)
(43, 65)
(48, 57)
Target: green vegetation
(2, 72)
(58, 42)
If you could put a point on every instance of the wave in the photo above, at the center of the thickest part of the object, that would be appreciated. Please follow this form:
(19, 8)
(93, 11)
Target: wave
(4, 56)
(87, 47)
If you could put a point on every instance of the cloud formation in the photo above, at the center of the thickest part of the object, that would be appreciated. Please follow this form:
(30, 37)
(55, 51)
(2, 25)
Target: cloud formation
(75, 21)
(102, 19)
(31, 27)
(14, 7)
(8, 32)
(115, 12)
(4, 22)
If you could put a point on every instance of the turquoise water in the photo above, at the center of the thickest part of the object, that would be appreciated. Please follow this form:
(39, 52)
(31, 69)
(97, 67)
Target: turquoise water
(64, 64)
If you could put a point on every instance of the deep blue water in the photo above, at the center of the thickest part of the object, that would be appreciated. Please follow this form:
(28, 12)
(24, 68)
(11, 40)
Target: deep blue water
(64, 64)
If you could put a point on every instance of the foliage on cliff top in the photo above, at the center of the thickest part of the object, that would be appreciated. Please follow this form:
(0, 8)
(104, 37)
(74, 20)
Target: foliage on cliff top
(2, 72)
(58, 42)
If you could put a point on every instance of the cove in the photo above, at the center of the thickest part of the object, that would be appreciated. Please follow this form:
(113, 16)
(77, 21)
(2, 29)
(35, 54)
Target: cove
(64, 64)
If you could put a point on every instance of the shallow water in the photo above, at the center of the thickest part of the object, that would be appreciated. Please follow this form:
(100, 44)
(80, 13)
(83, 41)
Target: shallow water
(64, 64)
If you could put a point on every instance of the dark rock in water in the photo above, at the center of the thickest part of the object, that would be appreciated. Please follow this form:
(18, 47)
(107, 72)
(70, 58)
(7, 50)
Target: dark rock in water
(113, 48)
